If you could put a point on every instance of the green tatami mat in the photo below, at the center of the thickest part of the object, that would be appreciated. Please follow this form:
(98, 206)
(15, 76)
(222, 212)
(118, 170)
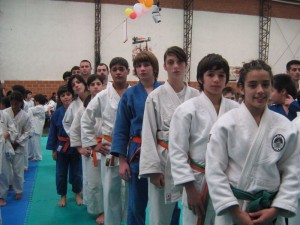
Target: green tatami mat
(43, 209)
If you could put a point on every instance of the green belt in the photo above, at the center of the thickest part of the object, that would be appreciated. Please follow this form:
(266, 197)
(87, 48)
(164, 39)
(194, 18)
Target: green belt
(258, 201)
(200, 166)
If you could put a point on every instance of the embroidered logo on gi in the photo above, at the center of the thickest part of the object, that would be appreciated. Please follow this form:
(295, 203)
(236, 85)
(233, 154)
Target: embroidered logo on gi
(278, 142)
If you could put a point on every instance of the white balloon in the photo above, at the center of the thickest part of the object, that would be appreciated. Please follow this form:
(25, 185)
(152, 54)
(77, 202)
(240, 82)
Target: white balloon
(138, 8)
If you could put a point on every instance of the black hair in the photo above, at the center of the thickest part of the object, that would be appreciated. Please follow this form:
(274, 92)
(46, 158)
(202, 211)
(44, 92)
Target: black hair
(40, 99)
(5, 101)
(28, 92)
(74, 68)
(120, 61)
(19, 88)
(85, 60)
(298, 97)
(93, 77)
(228, 90)
(87, 100)
(79, 78)
(1, 92)
(284, 82)
(253, 65)
(67, 75)
(292, 62)
(103, 64)
(17, 96)
(61, 90)
(211, 62)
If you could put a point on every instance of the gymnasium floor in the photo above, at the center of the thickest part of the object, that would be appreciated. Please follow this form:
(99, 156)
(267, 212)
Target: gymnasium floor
(39, 203)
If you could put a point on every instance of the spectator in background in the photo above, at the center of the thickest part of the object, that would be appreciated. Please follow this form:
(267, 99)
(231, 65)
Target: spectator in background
(2, 92)
(75, 70)
(21, 89)
(38, 122)
(103, 72)
(66, 76)
(50, 106)
(229, 92)
(283, 94)
(85, 69)
(28, 98)
(22, 123)
(293, 70)
(4, 103)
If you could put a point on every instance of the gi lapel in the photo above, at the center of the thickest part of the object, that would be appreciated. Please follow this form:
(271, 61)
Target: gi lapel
(255, 149)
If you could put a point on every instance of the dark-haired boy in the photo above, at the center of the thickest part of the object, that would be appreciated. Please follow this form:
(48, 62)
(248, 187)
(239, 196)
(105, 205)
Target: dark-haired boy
(187, 145)
(104, 107)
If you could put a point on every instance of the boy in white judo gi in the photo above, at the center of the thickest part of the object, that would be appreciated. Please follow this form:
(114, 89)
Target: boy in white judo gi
(104, 106)
(23, 125)
(189, 134)
(8, 134)
(252, 158)
(154, 163)
(38, 122)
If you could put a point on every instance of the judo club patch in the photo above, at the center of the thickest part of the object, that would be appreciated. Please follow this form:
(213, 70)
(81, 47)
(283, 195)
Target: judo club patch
(278, 142)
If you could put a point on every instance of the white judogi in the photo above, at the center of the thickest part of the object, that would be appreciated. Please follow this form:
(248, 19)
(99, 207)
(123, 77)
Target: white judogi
(104, 106)
(75, 141)
(75, 129)
(23, 126)
(50, 105)
(70, 114)
(38, 122)
(6, 151)
(30, 103)
(253, 158)
(159, 108)
(189, 135)
(27, 149)
(92, 184)
(295, 220)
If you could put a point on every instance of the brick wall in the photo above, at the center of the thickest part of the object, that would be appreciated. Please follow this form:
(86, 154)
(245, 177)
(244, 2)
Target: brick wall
(37, 87)
(47, 87)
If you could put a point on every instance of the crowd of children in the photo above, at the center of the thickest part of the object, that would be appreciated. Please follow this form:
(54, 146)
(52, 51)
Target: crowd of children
(123, 148)
(26, 116)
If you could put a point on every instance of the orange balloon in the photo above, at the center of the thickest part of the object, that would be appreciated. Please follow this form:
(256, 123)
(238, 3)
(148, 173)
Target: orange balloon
(148, 3)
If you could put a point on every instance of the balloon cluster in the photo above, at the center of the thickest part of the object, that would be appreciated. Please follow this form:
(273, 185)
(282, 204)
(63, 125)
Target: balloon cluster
(139, 9)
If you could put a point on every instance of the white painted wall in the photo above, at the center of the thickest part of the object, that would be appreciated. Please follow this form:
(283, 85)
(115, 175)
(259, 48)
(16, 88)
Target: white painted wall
(41, 39)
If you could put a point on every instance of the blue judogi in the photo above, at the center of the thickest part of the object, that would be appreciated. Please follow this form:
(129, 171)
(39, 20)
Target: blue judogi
(128, 124)
(293, 109)
(68, 159)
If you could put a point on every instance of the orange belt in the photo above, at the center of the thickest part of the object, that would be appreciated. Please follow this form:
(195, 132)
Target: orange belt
(67, 142)
(111, 162)
(95, 160)
(137, 140)
(108, 138)
(163, 144)
(204, 197)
